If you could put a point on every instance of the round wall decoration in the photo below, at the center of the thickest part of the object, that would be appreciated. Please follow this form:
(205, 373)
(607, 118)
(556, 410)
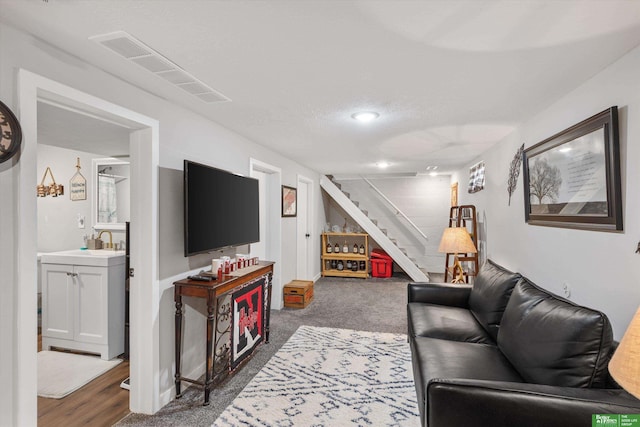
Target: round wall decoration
(10, 133)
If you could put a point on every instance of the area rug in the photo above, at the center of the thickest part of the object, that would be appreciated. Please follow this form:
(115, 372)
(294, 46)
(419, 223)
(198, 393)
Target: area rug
(330, 377)
(60, 374)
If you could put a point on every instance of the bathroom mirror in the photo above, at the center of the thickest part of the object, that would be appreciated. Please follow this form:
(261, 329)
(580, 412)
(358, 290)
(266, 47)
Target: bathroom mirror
(110, 185)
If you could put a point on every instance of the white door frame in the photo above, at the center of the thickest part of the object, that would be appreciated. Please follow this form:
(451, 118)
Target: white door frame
(274, 226)
(303, 229)
(144, 143)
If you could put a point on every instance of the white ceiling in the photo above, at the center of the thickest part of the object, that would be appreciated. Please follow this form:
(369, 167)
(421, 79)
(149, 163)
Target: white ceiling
(449, 78)
(63, 127)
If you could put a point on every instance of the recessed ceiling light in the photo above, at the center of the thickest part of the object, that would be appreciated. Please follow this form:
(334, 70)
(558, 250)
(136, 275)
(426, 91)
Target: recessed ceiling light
(383, 165)
(365, 116)
(431, 168)
(434, 173)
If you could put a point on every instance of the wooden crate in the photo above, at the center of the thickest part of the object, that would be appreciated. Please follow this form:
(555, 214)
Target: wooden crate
(298, 293)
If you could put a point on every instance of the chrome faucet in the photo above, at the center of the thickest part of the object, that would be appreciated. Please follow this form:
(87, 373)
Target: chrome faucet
(110, 244)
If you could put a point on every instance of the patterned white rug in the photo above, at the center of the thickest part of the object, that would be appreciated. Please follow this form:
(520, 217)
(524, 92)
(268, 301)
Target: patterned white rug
(60, 373)
(330, 377)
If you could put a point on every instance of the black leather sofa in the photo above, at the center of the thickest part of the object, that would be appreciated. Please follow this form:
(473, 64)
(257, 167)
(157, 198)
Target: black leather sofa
(507, 353)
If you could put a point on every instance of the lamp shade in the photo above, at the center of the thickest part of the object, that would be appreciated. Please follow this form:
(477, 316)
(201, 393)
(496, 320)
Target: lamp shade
(624, 366)
(456, 240)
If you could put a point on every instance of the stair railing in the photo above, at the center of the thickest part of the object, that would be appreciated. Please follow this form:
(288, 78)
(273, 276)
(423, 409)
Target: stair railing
(398, 211)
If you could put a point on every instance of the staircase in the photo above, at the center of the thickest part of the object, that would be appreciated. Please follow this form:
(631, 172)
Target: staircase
(390, 246)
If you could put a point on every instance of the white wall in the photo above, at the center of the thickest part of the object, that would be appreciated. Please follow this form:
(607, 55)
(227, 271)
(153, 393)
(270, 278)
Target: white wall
(601, 268)
(424, 199)
(183, 135)
(57, 216)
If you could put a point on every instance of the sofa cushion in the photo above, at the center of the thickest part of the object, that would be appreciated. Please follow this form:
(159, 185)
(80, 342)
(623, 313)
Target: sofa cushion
(436, 358)
(553, 341)
(490, 294)
(439, 321)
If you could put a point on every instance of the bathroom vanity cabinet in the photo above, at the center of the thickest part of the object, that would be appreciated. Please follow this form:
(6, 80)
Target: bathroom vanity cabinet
(83, 301)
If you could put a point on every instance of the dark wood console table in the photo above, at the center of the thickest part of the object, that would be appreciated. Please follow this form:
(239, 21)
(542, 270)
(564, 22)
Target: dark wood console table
(238, 306)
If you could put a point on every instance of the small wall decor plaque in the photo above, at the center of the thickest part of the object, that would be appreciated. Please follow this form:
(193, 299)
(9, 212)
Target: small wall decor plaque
(78, 184)
(53, 189)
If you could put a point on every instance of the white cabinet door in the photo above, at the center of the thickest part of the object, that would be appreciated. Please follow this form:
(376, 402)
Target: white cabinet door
(91, 302)
(83, 308)
(58, 301)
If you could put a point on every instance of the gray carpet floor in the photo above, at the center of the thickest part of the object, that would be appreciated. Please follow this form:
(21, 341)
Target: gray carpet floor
(376, 305)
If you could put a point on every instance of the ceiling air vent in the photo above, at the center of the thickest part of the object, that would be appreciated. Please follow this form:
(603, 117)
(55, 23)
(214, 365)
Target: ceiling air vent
(132, 49)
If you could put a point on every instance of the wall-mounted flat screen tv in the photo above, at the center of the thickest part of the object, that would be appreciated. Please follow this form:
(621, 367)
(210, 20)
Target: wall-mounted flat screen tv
(221, 209)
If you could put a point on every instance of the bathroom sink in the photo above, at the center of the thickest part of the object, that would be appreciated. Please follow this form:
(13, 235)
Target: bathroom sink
(101, 257)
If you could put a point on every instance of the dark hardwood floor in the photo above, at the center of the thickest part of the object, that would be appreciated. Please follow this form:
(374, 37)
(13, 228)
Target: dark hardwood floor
(102, 402)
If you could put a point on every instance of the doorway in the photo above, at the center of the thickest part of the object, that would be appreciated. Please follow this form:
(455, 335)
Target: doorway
(304, 229)
(269, 248)
(68, 138)
(143, 147)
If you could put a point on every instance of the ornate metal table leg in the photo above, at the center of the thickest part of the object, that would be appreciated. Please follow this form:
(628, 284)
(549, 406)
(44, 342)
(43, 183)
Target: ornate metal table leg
(267, 308)
(178, 338)
(210, 328)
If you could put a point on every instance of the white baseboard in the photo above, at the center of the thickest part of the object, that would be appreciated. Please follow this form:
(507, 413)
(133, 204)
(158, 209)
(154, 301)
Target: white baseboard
(170, 394)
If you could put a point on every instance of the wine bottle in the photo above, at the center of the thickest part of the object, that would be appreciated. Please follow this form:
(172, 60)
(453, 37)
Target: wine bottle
(361, 249)
(336, 248)
(355, 248)
(345, 248)
(329, 248)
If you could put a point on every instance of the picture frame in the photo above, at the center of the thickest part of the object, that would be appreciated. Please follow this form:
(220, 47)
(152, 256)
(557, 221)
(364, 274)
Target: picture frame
(289, 201)
(247, 326)
(572, 179)
(476, 177)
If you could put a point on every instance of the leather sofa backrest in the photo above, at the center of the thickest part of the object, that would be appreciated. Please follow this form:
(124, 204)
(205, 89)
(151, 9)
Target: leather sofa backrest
(551, 340)
(490, 294)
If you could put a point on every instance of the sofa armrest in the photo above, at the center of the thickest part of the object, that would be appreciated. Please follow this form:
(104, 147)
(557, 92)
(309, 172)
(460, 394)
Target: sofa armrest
(455, 295)
(506, 404)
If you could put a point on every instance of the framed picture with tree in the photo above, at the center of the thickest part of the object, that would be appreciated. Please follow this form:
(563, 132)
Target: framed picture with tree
(572, 179)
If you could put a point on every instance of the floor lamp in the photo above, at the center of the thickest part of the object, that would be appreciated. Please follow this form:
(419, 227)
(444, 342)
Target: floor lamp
(456, 240)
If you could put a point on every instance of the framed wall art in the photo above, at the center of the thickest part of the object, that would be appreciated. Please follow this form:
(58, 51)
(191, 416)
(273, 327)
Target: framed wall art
(572, 179)
(248, 318)
(476, 177)
(289, 201)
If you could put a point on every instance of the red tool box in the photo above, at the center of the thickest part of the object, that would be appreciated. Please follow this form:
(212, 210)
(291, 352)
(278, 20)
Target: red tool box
(381, 264)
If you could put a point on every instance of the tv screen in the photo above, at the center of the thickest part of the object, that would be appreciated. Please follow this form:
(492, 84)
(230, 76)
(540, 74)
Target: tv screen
(220, 209)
